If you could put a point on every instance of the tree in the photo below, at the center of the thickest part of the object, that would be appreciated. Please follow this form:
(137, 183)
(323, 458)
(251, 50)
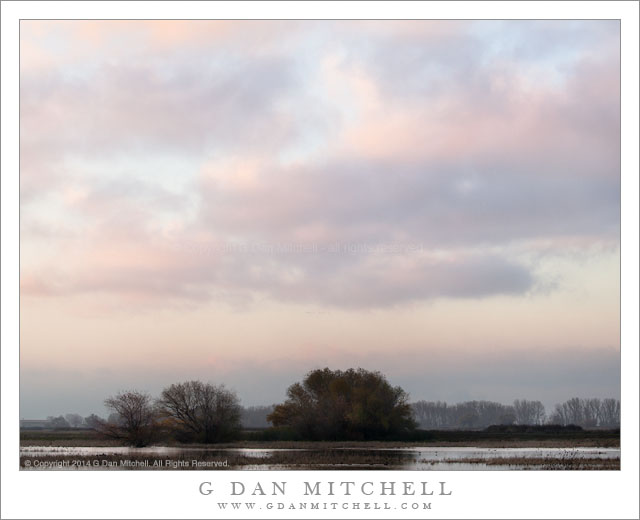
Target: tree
(136, 416)
(114, 418)
(468, 419)
(93, 421)
(201, 412)
(476, 414)
(75, 420)
(256, 416)
(528, 412)
(610, 413)
(351, 404)
(431, 415)
(479, 414)
(573, 411)
(57, 423)
(569, 412)
(589, 413)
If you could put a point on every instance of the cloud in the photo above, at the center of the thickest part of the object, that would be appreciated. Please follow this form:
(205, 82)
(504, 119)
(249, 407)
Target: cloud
(457, 142)
(122, 107)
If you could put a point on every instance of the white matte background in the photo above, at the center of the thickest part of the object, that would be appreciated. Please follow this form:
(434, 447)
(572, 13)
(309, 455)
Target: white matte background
(124, 494)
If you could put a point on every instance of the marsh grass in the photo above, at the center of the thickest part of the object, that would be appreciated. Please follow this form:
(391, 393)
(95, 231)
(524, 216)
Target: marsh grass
(540, 463)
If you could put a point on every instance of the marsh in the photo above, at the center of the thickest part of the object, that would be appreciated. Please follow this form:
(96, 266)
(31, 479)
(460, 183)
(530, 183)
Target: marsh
(420, 458)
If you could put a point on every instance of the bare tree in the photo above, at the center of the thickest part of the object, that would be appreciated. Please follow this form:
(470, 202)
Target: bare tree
(588, 413)
(201, 411)
(610, 413)
(559, 416)
(466, 415)
(572, 411)
(591, 412)
(528, 412)
(480, 414)
(430, 414)
(256, 416)
(137, 418)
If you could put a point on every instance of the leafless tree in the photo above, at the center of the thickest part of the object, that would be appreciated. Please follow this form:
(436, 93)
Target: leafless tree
(528, 412)
(137, 418)
(480, 414)
(610, 413)
(430, 414)
(256, 416)
(201, 411)
(591, 412)
(588, 413)
(572, 411)
(466, 415)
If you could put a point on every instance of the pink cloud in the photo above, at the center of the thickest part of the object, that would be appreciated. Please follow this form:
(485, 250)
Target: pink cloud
(415, 132)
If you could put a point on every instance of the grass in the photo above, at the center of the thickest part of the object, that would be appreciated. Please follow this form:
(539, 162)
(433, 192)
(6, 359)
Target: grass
(541, 463)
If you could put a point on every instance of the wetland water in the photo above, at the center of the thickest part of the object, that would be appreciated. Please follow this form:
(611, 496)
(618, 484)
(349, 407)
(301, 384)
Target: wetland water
(410, 458)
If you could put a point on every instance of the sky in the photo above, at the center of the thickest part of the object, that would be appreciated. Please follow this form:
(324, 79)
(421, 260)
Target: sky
(244, 201)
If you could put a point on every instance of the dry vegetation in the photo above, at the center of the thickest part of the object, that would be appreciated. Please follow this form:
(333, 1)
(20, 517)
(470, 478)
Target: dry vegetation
(542, 463)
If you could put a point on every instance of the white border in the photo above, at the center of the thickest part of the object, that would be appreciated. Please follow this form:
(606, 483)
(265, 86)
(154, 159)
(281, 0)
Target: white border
(174, 495)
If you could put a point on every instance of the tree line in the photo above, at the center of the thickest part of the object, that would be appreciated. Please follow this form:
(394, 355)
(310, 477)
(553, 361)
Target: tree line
(587, 413)
(251, 417)
(353, 404)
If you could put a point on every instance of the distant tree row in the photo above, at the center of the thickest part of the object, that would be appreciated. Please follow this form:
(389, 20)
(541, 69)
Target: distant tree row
(256, 416)
(70, 420)
(251, 417)
(353, 404)
(327, 404)
(469, 415)
(588, 413)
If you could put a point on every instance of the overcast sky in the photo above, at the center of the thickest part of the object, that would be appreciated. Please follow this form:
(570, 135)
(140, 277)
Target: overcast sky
(242, 202)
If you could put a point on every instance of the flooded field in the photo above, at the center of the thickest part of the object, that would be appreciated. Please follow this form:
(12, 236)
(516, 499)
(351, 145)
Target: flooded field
(410, 458)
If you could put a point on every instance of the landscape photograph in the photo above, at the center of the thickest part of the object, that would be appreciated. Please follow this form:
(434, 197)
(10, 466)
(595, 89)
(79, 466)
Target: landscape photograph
(320, 245)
